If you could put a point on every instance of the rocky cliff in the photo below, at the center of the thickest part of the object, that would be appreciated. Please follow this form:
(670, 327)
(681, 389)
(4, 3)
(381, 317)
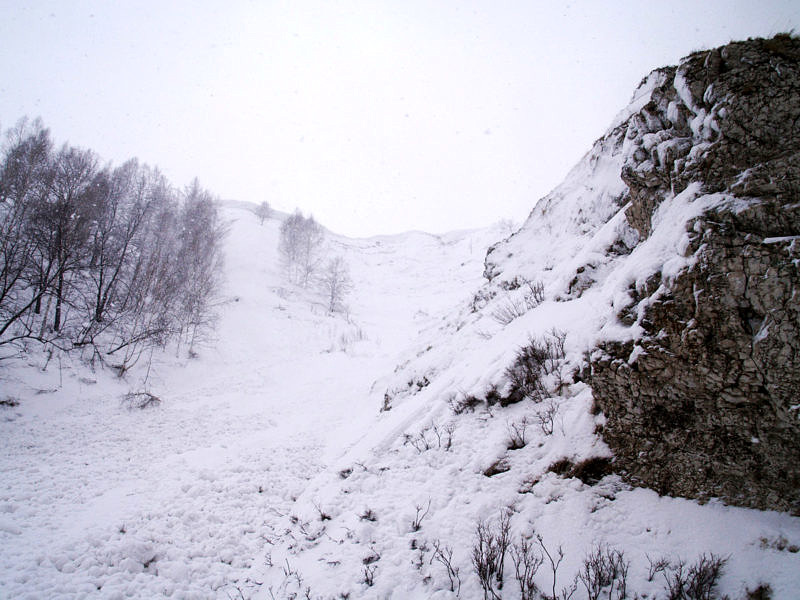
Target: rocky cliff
(704, 400)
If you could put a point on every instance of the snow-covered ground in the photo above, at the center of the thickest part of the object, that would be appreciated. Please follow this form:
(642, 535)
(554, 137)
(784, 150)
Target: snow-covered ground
(181, 499)
(270, 470)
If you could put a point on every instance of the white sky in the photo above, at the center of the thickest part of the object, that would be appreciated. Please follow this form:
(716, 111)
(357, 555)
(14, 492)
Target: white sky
(378, 117)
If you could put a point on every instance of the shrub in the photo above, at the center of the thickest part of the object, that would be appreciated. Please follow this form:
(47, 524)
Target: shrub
(497, 467)
(9, 402)
(514, 307)
(489, 553)
(525, 374)
(516, 434)
(323, 516)
(463, 404)
(779, 543)
(555, 562)
(369, 575)
(433, 436)
(416, 524)
(592, 470)
(546, 416)
(444, 555)
(509, 310)
(534, 294)
(368, 515)
(697, 582)
(589, 471)
(493, 396)
(481, 299)
(762, 592)
(532, 365)
(561, 466)
(605, 568)
(526, 564)
(140, 400)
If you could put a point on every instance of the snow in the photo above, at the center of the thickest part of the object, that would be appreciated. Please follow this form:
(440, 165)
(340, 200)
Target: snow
(270, 468)
(641, 97)
(782, 239)
(279, 422)
(178, 500)
(684, 93)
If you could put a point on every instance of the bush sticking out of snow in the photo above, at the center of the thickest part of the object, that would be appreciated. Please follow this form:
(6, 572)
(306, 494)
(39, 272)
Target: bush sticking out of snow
(368, 515)
(510, 309)
(140, 400)
(433, 436)
(444, 556)
(555, 562)
(605, 570)
(369, 575)
(420, 514)
(516, 433)
(695, 582)
(533, 364)
(546, 416)
(762, 592)
(498, 467)
(462, 404)
(9, 402)
(514, 307)
(526, 564)
(779, 543)
(603, 573)
(489, 554)
(590, 471)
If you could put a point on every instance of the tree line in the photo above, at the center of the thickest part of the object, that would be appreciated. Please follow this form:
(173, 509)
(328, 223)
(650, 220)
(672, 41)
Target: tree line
(109, 260)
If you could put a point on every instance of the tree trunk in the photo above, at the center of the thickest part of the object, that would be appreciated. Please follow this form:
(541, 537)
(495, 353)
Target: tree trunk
(59, 296)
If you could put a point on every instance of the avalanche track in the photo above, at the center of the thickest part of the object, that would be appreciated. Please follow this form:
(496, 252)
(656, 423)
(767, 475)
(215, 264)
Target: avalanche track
(181, 500)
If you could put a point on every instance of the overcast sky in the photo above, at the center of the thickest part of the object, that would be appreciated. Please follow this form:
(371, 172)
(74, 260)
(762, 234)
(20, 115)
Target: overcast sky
(377, 117)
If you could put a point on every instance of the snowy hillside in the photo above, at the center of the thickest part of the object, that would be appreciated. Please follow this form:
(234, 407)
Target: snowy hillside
(181, 499)
(270, 469)
(390, 450)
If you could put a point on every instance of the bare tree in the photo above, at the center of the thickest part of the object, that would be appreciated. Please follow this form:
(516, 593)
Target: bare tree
(25, 172)
(263, 212)
(300, 247)
(335, 283)
(311, 249)
(202, 232)
(125, 263)
(154, 289)
(126, 208)
(507, 226)
(69, 213)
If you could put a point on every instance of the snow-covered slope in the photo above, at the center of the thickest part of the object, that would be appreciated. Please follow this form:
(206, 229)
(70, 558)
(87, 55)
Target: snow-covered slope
(305, 455)
(181, 500)
(442, 456)
(270, 467)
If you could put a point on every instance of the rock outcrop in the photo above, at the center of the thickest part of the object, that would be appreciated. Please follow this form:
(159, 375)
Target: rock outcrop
(705, 400)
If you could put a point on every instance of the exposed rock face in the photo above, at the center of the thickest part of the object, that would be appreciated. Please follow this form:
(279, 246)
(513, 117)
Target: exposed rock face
(706, 402)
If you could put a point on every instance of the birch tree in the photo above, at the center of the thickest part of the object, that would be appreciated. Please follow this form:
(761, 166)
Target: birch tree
(335, 283)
